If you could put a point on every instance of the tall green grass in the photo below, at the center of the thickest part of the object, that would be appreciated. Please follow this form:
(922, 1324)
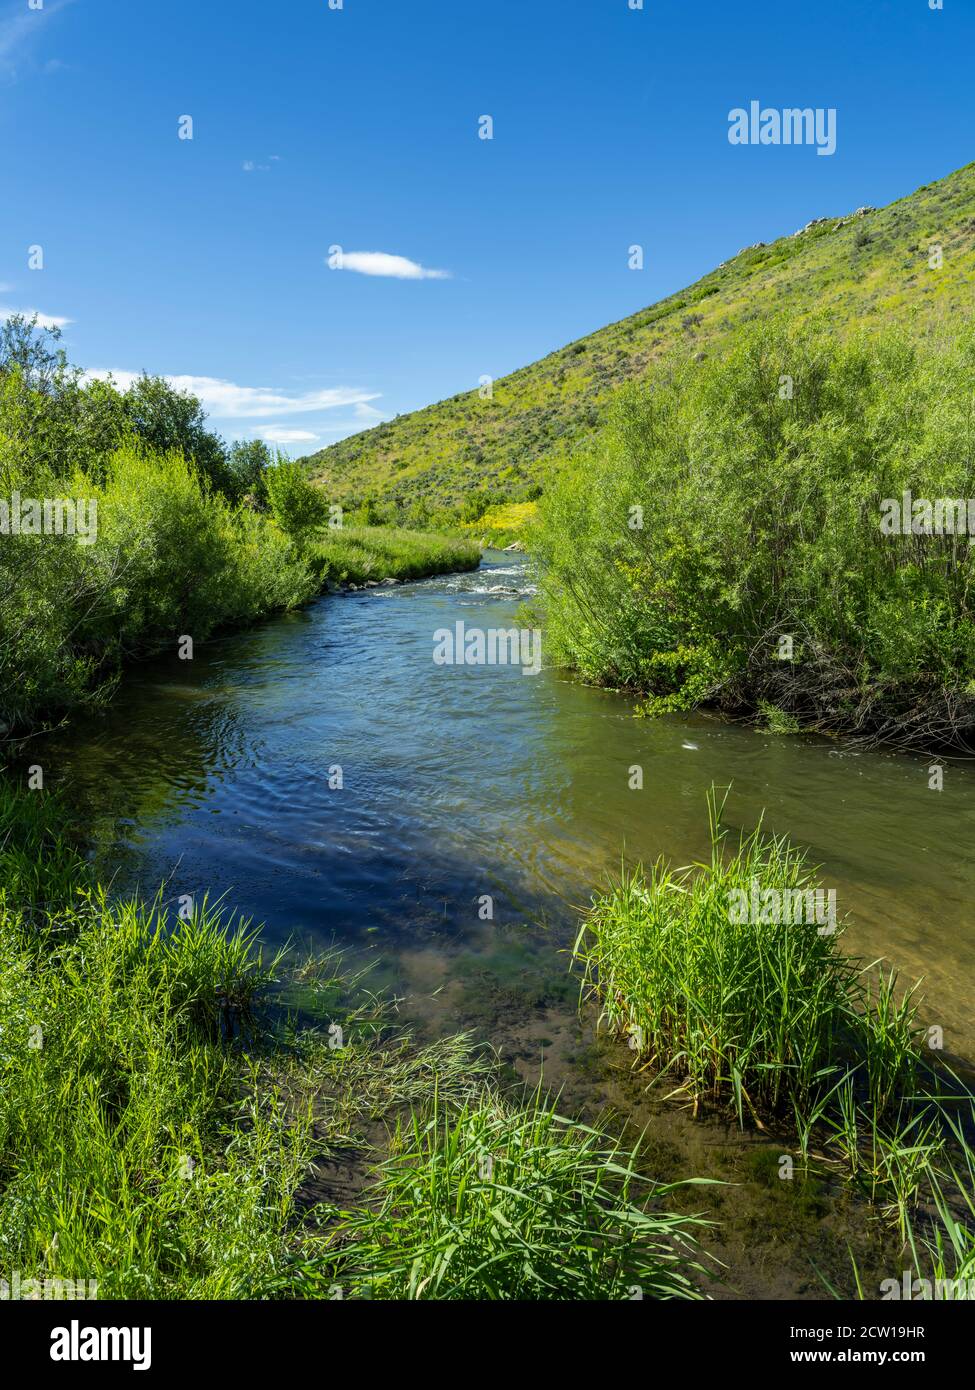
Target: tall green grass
(761, 1014)
(773, 1020)
(355, 555)
(136, 1149)
(166, 1092)
(942, 1246)
(495, 1203)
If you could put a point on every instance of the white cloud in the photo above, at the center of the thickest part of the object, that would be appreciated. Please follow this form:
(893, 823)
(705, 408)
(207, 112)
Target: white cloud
(368, 412)
(280, 434)
(44, 320)
(225, 400)
(381, 263)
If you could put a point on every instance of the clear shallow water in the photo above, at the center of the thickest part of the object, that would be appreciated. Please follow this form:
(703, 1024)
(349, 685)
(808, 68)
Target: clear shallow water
(464, 781)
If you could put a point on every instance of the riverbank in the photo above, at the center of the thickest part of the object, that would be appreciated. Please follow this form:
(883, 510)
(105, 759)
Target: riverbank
(742, 536)
(238, 570)
(367, 556)
(457, 784)
(182, 1116)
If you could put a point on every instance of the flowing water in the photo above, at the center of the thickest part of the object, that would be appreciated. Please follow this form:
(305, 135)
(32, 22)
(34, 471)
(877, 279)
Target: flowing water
(463, 784)
(460, 782)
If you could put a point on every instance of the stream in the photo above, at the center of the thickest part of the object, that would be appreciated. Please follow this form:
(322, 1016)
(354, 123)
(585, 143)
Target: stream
(463, 784)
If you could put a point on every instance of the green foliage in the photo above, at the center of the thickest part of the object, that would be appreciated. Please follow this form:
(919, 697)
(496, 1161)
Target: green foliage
(297, 507)
(168, 553)
(170, 558)
(51, 421)
(247, 463)
(136, 1149)
(181, 544)
(770, 1017)
(943, 1248)
(737, 501)
(747, 1012)
(355, 555)
(169, 420)
(157, 1112)
(477, 503)
(501, 1204)
(777, 721)
(40, 867)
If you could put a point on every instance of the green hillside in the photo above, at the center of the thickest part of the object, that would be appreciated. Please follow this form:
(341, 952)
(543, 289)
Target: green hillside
(864, 267)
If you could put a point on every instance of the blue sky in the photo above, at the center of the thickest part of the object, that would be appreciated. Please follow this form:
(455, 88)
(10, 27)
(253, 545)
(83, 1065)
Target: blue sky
(206, 259)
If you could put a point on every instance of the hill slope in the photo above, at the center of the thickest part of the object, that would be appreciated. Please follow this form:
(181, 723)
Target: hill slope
(872, 265)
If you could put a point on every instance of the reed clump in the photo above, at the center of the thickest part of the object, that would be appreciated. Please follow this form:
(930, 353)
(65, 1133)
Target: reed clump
(769, 1017)
(492, 1201)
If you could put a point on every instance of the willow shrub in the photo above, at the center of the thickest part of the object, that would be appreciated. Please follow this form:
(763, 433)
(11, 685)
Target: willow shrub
(171, 558)
(736, 501)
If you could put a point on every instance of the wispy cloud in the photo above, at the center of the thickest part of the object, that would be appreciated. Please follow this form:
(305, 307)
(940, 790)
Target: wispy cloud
(19, 26)
(381, 263)
(251, 166)
(225, 400)
(280, 434)
(44, 320)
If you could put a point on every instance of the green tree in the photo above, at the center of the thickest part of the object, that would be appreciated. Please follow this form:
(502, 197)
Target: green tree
(297, 506)
(248, 462)
(51, 419)
(169, 419)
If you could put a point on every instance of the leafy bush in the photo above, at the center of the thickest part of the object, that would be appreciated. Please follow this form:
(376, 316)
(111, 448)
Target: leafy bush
(737, 501)
(170, 558)
(298, 508)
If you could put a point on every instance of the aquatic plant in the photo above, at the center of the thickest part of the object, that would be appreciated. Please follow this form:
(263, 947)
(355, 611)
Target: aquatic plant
(500, 1202)
(767, 1014)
